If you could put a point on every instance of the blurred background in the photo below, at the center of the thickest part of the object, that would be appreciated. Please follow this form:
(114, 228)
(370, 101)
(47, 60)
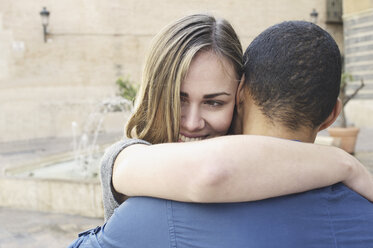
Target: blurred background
(68, 73)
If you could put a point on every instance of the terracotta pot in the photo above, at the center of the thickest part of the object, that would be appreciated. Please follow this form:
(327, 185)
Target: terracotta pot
(347, 135)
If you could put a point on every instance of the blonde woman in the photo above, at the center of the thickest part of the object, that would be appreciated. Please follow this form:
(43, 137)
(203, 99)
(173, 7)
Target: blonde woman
(188, 94)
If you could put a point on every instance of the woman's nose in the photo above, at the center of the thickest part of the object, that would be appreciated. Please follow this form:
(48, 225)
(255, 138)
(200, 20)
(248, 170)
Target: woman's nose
(191, 119)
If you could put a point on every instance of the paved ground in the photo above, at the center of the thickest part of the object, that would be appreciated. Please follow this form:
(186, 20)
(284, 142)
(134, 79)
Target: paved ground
(29, 229)
(19, 228)
(26, 229)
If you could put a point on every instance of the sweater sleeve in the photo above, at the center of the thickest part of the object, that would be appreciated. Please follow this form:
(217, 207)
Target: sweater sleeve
(111, 198)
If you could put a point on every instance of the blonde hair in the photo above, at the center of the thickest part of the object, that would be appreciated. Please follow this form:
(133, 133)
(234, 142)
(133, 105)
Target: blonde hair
(157, 110)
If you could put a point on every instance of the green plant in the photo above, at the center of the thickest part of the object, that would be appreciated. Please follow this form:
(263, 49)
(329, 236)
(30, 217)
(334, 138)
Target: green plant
(345, 98)
(127, 89)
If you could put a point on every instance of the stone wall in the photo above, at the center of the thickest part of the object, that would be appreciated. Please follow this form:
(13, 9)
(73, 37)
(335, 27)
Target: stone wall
(54, 196)
(358, 40)
(46, 86)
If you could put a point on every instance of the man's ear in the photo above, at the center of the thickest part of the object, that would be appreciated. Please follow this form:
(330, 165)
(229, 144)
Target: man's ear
(333, 115)
(240, 94)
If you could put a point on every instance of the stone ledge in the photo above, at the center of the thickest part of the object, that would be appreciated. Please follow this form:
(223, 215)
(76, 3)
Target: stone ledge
(57, 196)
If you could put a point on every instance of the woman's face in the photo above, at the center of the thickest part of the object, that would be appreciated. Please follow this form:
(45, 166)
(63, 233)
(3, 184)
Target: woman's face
(207, 97)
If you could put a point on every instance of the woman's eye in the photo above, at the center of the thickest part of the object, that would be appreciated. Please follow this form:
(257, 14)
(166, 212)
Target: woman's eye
(214, 103)
(183, 101)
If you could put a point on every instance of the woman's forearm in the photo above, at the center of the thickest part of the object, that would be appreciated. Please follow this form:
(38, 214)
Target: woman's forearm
(233, 168)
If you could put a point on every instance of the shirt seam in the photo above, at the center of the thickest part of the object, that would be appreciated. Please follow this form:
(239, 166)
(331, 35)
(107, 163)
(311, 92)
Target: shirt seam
(171, 226)
(332, 229)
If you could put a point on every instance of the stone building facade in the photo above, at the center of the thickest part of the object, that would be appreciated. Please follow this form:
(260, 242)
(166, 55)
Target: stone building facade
(358, 52)
(44, 87)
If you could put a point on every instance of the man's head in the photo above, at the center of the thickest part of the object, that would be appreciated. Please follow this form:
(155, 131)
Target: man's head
(292, 73)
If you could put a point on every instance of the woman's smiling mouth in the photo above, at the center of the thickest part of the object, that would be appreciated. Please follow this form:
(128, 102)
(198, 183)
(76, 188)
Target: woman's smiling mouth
(183, 138)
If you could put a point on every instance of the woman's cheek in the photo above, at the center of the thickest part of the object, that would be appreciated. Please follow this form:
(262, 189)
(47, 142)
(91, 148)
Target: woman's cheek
(223, 121)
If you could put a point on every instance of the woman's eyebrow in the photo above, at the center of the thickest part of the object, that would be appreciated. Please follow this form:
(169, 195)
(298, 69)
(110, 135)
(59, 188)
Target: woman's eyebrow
(208, 96)
(215, 95)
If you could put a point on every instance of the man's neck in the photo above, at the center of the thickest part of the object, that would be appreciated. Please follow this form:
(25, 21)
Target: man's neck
(280, 132)
(255, 123)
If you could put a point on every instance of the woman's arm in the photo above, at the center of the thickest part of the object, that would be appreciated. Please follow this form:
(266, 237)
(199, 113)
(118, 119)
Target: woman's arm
(111, 198)
(235, 168)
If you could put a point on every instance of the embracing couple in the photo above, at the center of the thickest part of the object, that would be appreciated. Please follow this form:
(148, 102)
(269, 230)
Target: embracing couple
(265, 186)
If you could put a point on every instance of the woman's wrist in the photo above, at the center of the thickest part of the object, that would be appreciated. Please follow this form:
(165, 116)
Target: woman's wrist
(359, 178)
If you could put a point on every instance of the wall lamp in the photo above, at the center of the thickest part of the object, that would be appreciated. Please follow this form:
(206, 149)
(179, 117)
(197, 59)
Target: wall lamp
(314, 14)
(45, 21)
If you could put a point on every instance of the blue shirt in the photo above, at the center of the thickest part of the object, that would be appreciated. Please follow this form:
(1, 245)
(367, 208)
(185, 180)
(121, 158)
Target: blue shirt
(332, 216)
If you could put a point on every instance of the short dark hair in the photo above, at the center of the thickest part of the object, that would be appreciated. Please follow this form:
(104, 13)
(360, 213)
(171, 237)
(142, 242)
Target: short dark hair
(293, 73)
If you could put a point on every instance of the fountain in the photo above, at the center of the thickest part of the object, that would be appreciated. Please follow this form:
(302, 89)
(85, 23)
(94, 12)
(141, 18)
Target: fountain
(66, 183)
(84, 161)
(86, 151)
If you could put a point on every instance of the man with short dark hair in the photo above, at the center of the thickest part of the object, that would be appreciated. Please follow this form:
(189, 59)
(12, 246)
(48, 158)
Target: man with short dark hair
(293, 73)
(290, 90)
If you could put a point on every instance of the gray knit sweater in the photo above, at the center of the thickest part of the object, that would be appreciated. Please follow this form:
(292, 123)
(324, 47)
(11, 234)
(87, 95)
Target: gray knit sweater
(111, 198)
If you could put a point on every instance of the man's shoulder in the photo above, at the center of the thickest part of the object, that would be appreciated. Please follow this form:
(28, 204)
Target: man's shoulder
(293, 220)
(139, 202)
(138, 222)
(351, 216)
(348, 201)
